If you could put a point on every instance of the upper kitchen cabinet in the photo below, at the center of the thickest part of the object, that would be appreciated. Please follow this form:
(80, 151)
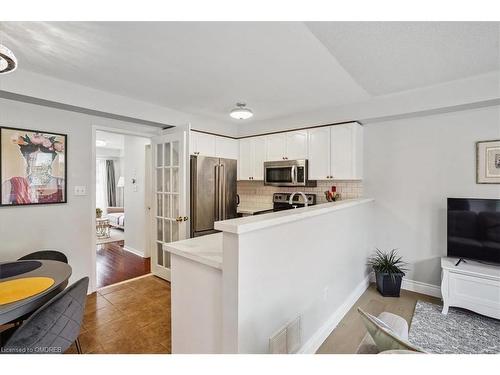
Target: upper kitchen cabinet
(259, 157)
(346, 151)
(226, 148)
(202, 144)
(245, 161)
(251, 158)
(213, 145)
(319, 153)
(276, 147)
(287, 146)
(296, 145)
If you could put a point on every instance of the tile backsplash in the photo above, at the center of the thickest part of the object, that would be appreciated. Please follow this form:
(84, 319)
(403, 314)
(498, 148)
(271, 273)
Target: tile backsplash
(254, 192)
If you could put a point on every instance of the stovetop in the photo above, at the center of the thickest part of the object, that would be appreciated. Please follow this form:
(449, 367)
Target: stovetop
(281, 201)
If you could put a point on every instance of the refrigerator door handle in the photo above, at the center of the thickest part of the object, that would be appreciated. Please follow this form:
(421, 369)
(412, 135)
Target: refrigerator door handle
(217, 197)
(223, 191)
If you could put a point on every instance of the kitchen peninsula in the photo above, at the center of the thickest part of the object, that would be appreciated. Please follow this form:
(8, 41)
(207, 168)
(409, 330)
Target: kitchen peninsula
(218, 304)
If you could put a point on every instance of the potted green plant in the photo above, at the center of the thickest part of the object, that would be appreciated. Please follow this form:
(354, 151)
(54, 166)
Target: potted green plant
(389, 270)
(98, 213)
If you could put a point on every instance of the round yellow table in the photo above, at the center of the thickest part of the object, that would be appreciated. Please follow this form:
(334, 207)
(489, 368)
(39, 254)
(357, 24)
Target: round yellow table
(25, 285)
(19, 289)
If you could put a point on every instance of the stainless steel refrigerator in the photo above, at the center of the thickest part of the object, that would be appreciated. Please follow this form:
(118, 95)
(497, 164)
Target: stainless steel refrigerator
(213, 193)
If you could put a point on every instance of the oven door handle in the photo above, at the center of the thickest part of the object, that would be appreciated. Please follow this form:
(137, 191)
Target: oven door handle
(294, 174)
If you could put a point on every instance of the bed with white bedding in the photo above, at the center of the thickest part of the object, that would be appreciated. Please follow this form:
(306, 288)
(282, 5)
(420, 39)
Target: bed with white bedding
(116, 217)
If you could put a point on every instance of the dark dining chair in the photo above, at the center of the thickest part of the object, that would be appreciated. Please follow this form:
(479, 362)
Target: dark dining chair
(54, 327)
(46, 255)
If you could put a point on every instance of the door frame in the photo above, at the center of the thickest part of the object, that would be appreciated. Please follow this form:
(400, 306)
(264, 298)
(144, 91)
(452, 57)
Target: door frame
(92, 190)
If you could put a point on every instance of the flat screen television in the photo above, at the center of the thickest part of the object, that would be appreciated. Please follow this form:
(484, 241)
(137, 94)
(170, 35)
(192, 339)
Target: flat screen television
(474, 229)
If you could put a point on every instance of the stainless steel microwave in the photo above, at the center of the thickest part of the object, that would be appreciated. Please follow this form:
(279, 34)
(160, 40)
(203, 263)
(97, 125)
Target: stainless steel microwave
(287, 173)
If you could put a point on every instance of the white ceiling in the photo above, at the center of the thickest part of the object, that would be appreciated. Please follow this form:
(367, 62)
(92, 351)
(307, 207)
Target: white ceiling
(277, 68)
(387, 57)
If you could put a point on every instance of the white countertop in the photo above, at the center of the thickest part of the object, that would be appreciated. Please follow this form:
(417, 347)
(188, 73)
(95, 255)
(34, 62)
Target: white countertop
(251, 223)
(205, 249)
(253, 209)
(208, 249)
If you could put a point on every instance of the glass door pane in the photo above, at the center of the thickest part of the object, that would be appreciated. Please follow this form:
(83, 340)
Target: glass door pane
(170, 197)
(167, 191)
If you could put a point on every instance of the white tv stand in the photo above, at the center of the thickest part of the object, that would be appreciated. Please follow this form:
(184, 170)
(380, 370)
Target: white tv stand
(471, 285)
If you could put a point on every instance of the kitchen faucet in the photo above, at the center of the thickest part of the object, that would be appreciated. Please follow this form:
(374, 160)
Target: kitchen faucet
(290, 201)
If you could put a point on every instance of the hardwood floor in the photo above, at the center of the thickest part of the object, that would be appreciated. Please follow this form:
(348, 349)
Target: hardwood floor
(114, 264)
(349, 333)
(128, 318)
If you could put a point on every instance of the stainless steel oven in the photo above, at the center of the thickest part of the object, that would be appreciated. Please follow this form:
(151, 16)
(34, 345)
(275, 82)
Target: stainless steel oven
(287, 173)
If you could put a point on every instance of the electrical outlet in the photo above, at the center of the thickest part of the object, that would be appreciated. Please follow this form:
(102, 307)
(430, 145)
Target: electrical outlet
(326, 292)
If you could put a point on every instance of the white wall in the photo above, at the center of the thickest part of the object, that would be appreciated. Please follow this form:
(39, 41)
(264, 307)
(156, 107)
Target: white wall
(136, 225)
(49, 88)
(68, 227)
(411, 167)
(310, 267)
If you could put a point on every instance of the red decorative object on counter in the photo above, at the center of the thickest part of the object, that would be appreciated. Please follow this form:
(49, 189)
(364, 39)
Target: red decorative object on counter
(332, 195)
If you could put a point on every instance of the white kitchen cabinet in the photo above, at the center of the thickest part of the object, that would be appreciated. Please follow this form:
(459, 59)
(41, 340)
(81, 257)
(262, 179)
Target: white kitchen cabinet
(287, 146)
(296, 145)
(226, 148)
(245, 160)
(202, 144)
(346, 151)
(251, 158)
(259, 157)
(276, 147)
(319, 153)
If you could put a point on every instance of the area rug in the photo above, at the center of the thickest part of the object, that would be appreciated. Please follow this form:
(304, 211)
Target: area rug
(459, 332)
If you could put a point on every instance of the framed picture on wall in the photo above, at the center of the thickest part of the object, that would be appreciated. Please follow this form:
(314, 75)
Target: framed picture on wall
(33, 167)
(488, 162)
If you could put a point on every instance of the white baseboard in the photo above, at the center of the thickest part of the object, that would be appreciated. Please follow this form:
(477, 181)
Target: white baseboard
(133, 251)
(422, 288)
(417, 287)
(313, 344)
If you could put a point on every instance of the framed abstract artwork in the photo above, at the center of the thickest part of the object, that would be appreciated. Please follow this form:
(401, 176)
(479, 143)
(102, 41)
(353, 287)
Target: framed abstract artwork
(33, 167)
(488, 162)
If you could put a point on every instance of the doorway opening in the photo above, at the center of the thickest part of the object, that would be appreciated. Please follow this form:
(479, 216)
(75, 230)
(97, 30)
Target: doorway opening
(123, 194)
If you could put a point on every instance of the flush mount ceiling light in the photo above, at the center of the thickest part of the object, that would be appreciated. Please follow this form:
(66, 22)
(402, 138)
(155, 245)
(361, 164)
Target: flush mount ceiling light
(8, 62)
(241, 112)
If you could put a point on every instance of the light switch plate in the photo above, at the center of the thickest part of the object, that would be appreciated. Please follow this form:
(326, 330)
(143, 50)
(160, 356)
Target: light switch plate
(80, 190)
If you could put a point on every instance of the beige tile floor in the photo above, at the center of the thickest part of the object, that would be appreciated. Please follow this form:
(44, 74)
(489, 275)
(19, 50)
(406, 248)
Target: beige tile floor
(127, 318)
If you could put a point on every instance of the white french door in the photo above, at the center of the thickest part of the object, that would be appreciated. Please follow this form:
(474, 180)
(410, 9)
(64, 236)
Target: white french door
(170, 187)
